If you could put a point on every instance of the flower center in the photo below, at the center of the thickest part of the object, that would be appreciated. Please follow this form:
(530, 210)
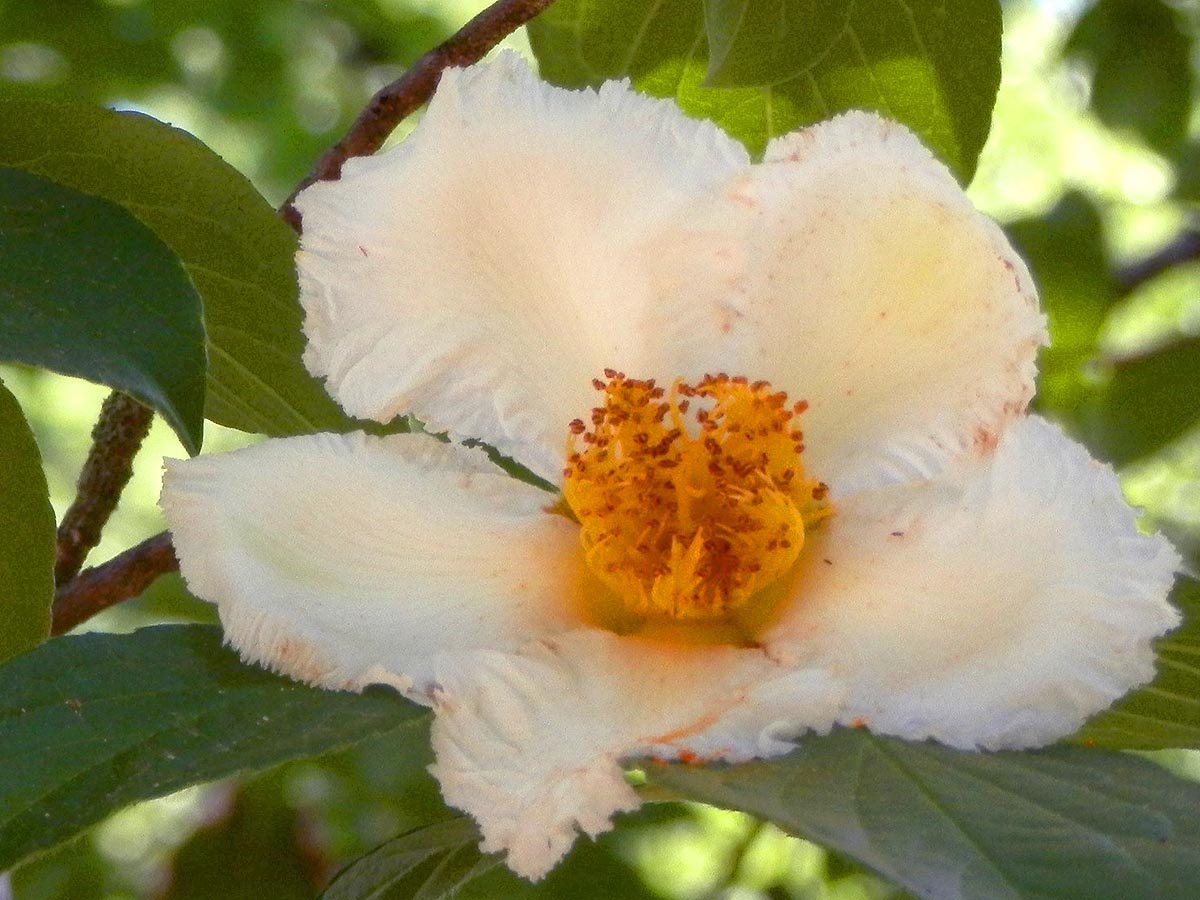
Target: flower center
(690, 500)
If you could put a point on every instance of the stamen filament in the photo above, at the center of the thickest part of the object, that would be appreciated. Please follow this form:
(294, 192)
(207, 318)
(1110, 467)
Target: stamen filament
(690, 500)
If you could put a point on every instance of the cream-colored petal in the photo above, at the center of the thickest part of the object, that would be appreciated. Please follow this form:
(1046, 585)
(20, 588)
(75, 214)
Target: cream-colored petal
(997, 607)
(769, 718)
(343, 560)
(483, 272)
(529, 744)
(876, 292)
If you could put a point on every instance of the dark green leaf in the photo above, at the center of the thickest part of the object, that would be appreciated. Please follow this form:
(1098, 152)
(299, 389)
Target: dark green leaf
(440, 861)
(92, 723)
(1065, 250)
(1166, 713)
(26, 535)
(1144, 402)
(73, 871)
(1142, 69)
(593, 870)
(88, 290)
(1062, 824)
(1183, 535)
(236, 250)
(259, 836)
(931, 65)
(753, 43)
(1187, 173)
(428, 863)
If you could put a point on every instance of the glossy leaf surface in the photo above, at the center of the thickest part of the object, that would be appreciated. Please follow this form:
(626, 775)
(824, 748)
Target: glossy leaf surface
(92, 723)
(237, 252)
(1060, 824)
(931, 65)
(88, 290)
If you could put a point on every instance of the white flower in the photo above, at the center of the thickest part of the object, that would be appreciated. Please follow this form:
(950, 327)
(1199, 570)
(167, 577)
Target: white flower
(936, 564)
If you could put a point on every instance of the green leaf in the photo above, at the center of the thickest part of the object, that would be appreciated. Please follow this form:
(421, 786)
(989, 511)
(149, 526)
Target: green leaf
(89, 724)
(1142, 68)
(1062, 824)
(1166, 713)
(753, 43)
(26, 535)
(258, 835)
(428, 863)
(236, 250)
(70, 872)
(932, 65)
(440, 861)
(88, 290)
(1187, 173)
(1065, 250)
(1144, 402)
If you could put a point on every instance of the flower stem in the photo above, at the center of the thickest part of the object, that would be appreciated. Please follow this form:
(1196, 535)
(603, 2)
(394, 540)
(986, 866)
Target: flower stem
(119, 432)
(122, 577)
(1184, 248)
(79, 597)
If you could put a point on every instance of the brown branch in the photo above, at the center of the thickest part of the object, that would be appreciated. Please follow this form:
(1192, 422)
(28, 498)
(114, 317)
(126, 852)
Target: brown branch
(119, 432)
(122, 577)
(127, 575)
(1183, 249)
(393, 103)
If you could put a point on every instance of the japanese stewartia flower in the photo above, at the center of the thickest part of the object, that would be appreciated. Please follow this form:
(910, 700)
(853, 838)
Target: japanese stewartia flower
(782, 406)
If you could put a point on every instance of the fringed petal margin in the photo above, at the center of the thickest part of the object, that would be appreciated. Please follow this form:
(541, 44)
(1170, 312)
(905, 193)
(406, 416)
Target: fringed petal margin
(530, 744)
(875, 291)
(483, 272)
(997, 606)
(343, 560)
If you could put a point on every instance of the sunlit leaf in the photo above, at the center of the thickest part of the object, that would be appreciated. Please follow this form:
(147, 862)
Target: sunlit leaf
(89, 724)
(88, 290)
(236, 250)
(1165, 713)
(931, 65)
(1060, 824)
(761, 42)
(26, 535)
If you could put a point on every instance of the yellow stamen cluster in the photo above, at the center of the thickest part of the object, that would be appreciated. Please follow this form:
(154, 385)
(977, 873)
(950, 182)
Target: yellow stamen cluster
(692, 499)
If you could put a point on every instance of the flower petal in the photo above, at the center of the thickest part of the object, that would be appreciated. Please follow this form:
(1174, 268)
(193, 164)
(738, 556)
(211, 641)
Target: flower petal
(529, 744)
(882, 297)
(996, 607)
(343, 560)
(769, 718)
(482, 273)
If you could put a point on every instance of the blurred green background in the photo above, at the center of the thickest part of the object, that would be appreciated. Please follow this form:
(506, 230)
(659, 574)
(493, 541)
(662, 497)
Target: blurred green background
(1093, 166)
